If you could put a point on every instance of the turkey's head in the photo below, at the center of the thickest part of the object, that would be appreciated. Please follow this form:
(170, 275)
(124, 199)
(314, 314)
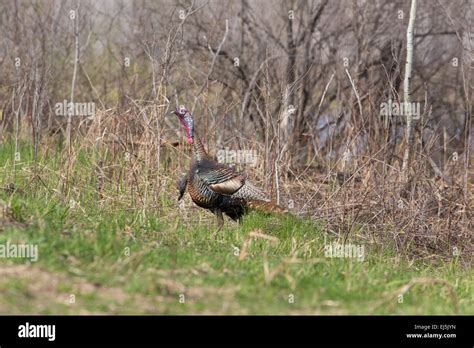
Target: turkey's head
(186, 120)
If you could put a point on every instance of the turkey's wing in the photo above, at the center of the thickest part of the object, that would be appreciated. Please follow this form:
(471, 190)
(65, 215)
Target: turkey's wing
(220, 178)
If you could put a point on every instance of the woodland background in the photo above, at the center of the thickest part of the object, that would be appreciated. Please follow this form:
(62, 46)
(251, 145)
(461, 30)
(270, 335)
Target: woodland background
(299, 82)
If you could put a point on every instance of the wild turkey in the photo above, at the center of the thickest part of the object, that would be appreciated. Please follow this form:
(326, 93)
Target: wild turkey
(217, 187)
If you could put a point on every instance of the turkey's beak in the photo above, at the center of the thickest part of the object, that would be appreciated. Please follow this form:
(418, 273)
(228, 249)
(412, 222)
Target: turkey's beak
(172, 113)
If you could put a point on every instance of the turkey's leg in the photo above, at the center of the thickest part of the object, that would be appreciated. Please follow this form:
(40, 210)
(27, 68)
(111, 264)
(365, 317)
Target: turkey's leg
(220, 222)
(220, 219)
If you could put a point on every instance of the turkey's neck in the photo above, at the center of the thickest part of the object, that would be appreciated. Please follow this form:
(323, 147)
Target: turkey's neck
(198, 148)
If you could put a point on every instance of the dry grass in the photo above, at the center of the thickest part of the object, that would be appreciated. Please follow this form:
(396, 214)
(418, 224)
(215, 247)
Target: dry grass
(424, 215)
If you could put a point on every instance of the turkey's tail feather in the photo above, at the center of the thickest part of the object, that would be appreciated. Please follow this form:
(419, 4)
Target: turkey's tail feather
(250, 192)
(266, 207)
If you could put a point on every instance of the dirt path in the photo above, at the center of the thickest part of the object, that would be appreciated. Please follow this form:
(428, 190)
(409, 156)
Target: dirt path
(26, 289)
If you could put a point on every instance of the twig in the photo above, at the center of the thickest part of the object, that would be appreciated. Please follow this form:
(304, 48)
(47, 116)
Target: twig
(211, 68)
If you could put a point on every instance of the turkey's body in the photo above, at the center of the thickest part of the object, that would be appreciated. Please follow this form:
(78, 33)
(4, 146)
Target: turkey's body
(220, 189)
(233, 205)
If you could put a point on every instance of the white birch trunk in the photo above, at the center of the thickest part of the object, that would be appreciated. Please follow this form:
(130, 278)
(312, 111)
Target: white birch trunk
(406, 88)
(73, 82)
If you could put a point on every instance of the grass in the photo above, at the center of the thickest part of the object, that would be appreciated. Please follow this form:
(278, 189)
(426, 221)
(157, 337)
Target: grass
(115, 256)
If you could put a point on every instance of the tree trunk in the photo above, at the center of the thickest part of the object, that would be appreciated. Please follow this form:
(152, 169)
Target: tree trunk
(406, 89)
(73, 82)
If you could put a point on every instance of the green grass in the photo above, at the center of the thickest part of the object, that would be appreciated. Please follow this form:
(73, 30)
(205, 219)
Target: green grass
(113, 257)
